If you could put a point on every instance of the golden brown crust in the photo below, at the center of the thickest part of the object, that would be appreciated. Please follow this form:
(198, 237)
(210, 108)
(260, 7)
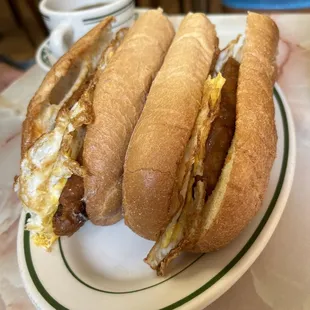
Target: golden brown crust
(240, 191)
(119, 98)
(32, 127)
(158, 143)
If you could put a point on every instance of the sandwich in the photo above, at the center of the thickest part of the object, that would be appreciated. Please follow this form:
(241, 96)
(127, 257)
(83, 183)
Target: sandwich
(199, 160)
(79, 123)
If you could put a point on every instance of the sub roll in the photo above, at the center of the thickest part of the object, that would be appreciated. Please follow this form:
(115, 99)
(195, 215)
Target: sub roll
(118, 101)
(211, 142)
(79, 123)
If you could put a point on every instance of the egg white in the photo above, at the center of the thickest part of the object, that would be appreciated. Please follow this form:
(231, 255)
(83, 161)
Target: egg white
(45, 169)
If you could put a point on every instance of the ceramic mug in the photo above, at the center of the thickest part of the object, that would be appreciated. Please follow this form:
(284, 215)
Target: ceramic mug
(69, 20)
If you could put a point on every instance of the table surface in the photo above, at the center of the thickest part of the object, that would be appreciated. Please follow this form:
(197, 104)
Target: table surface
(280, 277)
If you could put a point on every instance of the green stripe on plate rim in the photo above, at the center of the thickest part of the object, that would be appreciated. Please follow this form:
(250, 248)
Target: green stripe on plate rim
(50, 300)
(124, 292)
(32, 272)
(44, 56)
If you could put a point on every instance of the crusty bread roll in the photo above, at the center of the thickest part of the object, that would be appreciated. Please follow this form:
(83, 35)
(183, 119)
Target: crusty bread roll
(164, 128)
(64, 82)
(71, 213)
(171, 187)
(118, 101)
(239, 192)
(53, 130)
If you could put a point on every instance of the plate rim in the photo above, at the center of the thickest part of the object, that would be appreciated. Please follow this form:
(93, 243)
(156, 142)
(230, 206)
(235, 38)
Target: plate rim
(243, 259)
(43, 48)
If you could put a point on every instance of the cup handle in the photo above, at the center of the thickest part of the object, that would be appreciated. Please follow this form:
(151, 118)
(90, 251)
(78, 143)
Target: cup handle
(61, 39)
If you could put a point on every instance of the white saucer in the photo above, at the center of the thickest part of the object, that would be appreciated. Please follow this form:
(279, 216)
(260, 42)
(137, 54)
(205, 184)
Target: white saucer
(44, 57)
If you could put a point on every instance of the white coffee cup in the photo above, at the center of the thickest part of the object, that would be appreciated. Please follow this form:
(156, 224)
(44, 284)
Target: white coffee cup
(69, 20)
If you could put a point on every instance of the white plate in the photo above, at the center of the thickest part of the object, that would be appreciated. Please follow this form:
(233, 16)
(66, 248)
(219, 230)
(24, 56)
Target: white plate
(102, 267)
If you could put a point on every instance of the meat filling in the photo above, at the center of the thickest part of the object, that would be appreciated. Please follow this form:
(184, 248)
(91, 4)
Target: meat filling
(213, 140)
(71, 213)
(223, 127)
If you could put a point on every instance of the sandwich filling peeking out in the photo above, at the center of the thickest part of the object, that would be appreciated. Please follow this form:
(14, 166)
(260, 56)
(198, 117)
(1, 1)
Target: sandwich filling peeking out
(53, 158)
(46, 167)
(203, 159)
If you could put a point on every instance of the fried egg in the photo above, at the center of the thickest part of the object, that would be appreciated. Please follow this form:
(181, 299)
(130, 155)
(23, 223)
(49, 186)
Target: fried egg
(170, 241)
(46, 167)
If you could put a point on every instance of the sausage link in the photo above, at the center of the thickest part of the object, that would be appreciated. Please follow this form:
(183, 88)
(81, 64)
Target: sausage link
(223, 127)
(71, 213)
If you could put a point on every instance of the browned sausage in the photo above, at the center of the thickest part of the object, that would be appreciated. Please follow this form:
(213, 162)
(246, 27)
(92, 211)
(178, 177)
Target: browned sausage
(223, 127)
(71, 214)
